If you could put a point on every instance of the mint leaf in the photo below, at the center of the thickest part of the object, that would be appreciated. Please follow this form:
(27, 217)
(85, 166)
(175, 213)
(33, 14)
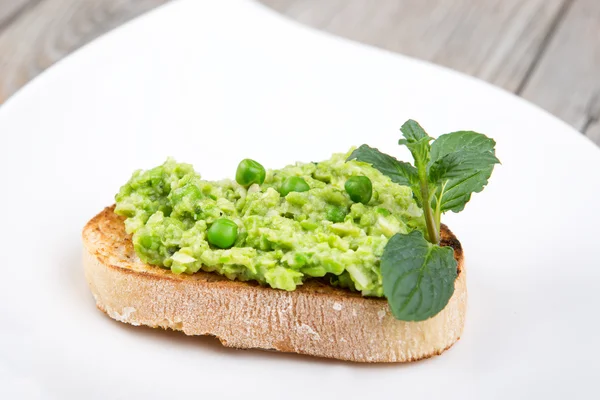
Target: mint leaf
(457, 193)
(412, 132)
(461, 164)
(461, 141)
(399, 172)
(417, 141)
(418, 277)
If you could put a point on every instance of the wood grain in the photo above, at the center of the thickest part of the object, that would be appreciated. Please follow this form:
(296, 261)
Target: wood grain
(10, 9)
(566, 81)
(47, 30)
(495, 40)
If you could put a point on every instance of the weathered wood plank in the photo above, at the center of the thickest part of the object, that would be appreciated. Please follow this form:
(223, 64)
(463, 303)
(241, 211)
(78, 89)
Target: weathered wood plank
(496, 40)
(566, 82)
(10, 9)
(50, 29)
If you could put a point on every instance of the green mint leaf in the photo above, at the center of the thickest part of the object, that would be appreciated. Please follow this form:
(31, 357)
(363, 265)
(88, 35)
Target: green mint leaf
(399, 172)
(461, 141)
(417, 141)
(457, 192)
(418, 277)
(413, 132)
(461, 164)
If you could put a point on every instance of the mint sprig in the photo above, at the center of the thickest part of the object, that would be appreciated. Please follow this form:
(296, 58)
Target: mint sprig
(418, 277)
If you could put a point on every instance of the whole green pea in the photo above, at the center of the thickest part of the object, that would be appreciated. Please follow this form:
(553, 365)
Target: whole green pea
(222, 233)
(293, 184)
(250, 172)
(359, 188)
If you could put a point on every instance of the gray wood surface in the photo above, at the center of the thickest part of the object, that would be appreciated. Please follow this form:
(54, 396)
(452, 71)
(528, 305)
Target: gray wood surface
(10, 9)
(37, 33)
(495, 40)
(566, 81)
(548, 51)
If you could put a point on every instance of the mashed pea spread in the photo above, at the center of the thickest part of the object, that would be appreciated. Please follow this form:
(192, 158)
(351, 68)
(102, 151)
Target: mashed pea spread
(303, 221)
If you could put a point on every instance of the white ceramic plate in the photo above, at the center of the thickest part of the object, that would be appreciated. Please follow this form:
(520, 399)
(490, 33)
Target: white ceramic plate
(213, 82)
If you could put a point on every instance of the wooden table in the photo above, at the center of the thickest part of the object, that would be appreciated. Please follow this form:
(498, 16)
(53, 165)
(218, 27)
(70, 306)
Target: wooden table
(547, 51)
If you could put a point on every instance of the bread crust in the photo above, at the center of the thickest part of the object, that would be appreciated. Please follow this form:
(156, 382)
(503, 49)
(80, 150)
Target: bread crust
(315, 319)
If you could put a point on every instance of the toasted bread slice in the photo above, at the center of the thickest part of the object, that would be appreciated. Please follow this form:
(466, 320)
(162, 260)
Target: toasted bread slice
(315, 319)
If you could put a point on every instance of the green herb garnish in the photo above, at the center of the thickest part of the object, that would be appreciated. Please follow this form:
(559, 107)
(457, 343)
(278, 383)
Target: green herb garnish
(418, 274)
